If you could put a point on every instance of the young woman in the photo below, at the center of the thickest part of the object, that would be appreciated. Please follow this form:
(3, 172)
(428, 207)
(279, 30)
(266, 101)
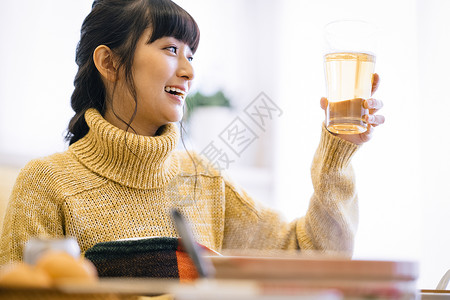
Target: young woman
(121, 174)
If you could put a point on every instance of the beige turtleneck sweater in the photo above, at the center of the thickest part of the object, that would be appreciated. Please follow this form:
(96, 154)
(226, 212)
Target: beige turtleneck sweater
(112, 185)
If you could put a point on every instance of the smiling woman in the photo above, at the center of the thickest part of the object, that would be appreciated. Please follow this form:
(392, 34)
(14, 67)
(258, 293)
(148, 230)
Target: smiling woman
(132, 64)
(122, 174)
(272, 46)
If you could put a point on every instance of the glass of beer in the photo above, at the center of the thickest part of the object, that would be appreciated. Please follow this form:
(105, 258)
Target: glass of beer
(349, 66)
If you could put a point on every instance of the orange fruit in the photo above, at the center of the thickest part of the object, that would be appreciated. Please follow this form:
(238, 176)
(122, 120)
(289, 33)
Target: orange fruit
(60, 265)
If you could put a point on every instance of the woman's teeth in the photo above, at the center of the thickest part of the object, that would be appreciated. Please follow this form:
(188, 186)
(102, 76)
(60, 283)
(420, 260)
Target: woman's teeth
(175, 91)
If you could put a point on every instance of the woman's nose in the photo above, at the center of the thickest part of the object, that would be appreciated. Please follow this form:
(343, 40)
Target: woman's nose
(185, 69)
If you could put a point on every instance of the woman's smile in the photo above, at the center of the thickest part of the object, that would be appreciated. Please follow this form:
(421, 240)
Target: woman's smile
(177, 93)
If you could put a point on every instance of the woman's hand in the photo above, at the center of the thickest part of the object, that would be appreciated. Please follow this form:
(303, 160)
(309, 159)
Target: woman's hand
(371, 119)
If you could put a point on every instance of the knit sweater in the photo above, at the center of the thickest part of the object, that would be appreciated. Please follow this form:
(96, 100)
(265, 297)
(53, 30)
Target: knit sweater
(113, 185)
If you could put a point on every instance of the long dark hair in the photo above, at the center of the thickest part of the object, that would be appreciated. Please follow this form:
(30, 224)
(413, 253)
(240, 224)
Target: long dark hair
(119, 24)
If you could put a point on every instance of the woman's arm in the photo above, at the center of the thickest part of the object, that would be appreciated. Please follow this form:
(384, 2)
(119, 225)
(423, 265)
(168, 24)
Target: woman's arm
(330, 222)
(332, 217)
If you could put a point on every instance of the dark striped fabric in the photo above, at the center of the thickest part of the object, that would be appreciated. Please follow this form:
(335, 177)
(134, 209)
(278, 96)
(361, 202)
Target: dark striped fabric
(158, 257)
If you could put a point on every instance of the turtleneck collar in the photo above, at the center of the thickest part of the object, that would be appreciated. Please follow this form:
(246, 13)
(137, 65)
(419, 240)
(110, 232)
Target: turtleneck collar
(132, 160)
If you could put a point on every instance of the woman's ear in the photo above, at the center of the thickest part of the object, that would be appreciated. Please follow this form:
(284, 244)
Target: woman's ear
(105, 63)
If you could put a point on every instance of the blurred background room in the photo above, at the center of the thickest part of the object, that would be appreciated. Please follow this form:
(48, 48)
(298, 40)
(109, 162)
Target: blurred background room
(269, 51)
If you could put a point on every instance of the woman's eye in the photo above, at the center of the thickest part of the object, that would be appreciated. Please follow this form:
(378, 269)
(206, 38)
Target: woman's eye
(172, 49)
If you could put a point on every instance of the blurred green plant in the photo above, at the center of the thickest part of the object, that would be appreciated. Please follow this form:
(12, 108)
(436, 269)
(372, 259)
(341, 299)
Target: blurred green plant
(200, 100)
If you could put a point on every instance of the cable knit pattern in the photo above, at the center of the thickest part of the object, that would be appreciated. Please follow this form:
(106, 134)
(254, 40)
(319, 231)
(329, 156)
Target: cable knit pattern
(113, 185)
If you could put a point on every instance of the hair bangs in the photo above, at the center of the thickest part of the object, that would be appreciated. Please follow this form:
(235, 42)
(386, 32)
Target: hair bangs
(173, 21)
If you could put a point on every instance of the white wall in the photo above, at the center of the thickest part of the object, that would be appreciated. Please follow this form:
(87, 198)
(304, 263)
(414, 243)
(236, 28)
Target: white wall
(249, 46)
(37, 58)
(434, 48)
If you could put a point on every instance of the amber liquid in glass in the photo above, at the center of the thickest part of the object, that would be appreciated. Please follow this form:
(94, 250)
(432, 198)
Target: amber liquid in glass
(349, 83)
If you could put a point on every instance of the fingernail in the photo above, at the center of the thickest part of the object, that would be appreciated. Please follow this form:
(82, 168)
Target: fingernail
(370, 103)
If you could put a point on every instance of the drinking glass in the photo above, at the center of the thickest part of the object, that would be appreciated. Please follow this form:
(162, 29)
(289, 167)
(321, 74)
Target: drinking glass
(349, 66)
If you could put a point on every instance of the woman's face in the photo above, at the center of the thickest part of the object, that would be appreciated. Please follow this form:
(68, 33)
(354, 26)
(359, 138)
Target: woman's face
(163, 74)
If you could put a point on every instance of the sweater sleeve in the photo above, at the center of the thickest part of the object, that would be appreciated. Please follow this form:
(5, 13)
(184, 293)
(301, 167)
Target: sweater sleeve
(332, 218)
(32, 211)
(330, 222)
